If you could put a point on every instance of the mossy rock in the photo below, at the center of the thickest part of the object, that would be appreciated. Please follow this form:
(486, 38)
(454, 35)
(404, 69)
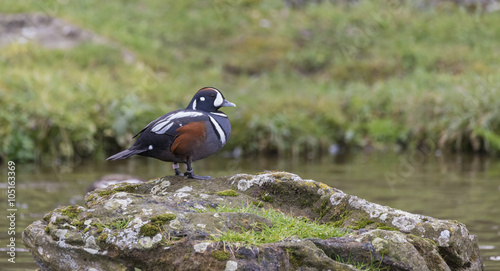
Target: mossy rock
(172, 221)
(227, 193)
(220, 255)
(149, 230)
(163, 218)
(71, 211)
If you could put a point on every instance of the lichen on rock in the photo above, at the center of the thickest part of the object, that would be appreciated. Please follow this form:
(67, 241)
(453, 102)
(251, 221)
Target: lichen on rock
(172, 221)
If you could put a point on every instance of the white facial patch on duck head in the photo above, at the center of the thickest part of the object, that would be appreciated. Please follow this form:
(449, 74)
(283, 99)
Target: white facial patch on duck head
(218, 100)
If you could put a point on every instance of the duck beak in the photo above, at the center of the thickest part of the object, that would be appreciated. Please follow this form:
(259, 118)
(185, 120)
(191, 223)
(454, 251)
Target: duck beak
(227, 103)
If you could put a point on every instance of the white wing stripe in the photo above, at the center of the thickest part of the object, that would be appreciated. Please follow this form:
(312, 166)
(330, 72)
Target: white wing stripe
(219, 130)
(164, 129)
(158, 126)
(162, 126)
(220, 114)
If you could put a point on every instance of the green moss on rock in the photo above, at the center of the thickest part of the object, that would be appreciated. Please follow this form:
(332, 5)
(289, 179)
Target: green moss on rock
(220, 255)
(361, 223)
(71, 211)
(131, 188)
(102, 238)
(47, 217)
(338, 220)
(292, 259)
(282, 175)
(149, 230)
(105, 193)
(323, 209)
(91, 197)
(267, 198)
(98, 225)
(382, 226)
(162, 219)
(227, 193)
(78, 224)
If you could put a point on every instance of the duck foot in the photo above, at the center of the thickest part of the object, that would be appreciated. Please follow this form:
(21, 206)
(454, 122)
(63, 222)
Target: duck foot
(175, 166)
(190, 175)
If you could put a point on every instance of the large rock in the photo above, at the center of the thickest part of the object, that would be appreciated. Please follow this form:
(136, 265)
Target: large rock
(159, 225)
(50, 32)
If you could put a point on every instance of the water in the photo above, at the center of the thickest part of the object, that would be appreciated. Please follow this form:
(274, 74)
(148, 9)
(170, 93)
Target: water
(466, 189)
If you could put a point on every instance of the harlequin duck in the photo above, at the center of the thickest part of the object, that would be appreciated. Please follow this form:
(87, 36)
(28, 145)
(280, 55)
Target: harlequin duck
(187, 135)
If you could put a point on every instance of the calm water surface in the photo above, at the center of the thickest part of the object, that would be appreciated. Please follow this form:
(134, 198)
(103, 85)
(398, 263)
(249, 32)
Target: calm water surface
(466, 189)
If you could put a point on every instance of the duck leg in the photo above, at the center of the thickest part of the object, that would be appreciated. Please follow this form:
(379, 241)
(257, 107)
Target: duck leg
(175, 166)
(190, 175)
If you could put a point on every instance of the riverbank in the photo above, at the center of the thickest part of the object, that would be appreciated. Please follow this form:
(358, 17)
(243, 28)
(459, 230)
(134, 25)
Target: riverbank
(306, 81)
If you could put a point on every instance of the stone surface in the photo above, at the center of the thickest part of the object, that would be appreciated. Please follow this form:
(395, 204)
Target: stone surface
(112, 179)
(50, 32)
(155, 224)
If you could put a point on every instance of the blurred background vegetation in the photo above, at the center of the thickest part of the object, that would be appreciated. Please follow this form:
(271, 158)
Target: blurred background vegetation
(307, 79)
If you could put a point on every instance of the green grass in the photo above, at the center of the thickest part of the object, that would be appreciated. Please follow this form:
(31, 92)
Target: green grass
(284, 226)
(368, 266)
(119, 224)
(372, 74)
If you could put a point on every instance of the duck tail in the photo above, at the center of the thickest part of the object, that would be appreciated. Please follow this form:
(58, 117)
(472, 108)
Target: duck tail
(124, 154)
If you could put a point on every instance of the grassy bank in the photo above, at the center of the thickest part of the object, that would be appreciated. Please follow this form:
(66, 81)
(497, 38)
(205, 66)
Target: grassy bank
(370, 75)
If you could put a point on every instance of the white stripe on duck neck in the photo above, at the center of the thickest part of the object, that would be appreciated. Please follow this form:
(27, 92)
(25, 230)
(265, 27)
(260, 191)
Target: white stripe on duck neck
(219, 130)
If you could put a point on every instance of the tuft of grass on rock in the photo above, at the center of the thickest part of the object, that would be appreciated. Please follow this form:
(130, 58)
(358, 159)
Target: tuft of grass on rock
(284, 226)
(257, 203)
(120, 223)
(372, 265)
